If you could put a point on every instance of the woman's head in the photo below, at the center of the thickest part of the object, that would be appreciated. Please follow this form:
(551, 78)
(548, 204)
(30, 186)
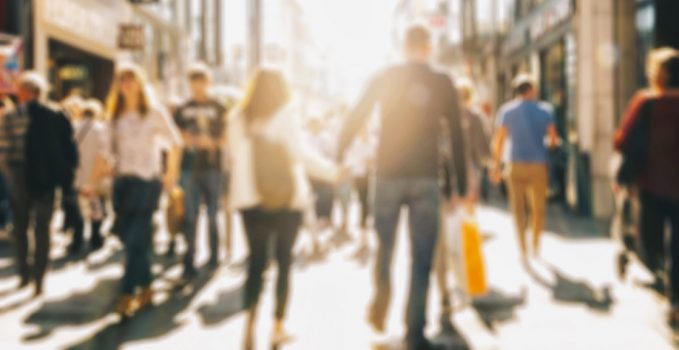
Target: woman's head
(129, 86)
(660, 64)
(466, 89)
(266, 94)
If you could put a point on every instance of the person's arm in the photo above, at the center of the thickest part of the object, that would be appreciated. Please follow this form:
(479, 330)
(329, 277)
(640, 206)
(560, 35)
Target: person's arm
(553, 136)
(629, 122)
(498, 151)
(453, 111)
(360, 115)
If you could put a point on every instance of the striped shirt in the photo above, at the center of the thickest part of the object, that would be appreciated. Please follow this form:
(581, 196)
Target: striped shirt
(13, 128)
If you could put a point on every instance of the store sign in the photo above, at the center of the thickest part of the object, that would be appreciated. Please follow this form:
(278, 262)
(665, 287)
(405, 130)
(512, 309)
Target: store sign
(554, 14)
(90, 21)
(11, 57)
(131, 37)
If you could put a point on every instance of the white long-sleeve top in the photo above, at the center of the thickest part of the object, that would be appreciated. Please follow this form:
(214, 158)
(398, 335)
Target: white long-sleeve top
(285, 127)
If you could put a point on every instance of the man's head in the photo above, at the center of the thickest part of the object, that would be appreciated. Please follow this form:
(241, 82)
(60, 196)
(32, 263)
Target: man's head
(466, 90)
(417, 43)
(32, 85)
(199, 80)
(525, 87)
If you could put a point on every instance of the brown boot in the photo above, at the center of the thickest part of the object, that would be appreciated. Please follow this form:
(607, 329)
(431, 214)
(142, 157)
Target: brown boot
(145, 298)
(126, 306)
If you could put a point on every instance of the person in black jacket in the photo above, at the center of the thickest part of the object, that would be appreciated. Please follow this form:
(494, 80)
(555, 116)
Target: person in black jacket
(38, 156)
(414, 99)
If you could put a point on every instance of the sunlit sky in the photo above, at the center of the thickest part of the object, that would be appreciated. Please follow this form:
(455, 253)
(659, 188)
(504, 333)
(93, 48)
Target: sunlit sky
(356, 35)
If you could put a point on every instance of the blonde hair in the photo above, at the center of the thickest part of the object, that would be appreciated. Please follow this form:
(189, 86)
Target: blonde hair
(466, 89)
(656, 66)
(266, 93)
(116, 101)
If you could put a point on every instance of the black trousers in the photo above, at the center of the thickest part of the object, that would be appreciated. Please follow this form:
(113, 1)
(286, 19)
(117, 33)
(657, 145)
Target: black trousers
(656, 213)
(30, 210)
(263, 228)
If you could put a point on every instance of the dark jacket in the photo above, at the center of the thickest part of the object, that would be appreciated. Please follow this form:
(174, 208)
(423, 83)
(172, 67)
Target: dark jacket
(413, 98)
(51, 151)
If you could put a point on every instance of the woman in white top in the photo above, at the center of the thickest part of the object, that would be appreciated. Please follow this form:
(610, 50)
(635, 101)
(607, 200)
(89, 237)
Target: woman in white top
(94, 145)
(265, 113)
(137, 127)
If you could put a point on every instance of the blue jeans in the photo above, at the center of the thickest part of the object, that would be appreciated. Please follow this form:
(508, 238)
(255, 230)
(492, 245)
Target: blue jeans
(422, 196)
(203, 185)
(135, 202)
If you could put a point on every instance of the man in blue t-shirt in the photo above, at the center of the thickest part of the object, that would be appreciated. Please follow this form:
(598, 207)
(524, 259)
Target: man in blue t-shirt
(527, 123)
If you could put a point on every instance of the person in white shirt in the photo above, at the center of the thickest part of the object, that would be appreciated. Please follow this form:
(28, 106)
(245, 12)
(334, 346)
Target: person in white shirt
(94, 145)
(137, 126)
(265, 114)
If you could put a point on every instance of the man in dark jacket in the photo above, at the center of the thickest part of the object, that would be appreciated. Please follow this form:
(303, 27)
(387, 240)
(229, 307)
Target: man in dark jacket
(38, 155)
(413, 99)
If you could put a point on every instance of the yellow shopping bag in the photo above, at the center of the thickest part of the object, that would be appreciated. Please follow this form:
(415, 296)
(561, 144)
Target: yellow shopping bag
(475, 271)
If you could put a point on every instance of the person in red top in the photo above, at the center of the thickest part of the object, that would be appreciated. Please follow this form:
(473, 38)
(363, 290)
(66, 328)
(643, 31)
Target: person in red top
(650, 134)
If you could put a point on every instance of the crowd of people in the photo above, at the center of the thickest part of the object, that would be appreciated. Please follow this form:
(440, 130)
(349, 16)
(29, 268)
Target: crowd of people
(430, 150)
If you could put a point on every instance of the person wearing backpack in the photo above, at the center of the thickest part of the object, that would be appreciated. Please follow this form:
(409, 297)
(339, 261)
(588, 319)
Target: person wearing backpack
(39, 155)
(270, 186)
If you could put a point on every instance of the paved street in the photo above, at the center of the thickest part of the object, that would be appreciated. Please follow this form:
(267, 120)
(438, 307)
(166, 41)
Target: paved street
(572, 300)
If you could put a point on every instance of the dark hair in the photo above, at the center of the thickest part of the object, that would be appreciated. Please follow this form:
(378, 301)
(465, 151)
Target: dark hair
(524, 88)
(267, 92)
(417, 37)
(671, 66)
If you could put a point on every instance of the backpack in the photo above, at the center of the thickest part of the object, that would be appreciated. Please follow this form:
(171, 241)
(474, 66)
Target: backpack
(273, 171)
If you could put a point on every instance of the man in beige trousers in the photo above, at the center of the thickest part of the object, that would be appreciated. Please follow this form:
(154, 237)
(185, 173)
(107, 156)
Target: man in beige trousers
(527, 123)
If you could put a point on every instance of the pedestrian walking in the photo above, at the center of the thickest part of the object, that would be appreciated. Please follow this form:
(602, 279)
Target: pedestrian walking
(648, 139)
(39, 155)
(361, 163)
(270, 187)
(526, 122)
(413, 98)
(94, 146)
(202, 121)
(477, 147)
(73, 107)
(136, 125)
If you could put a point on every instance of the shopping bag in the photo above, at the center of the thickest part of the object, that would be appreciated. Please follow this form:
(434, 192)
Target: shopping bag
(453, 239)
(474, 268)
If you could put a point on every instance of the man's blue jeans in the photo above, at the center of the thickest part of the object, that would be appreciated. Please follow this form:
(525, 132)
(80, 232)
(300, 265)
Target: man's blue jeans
(199, 186)
(422, 197)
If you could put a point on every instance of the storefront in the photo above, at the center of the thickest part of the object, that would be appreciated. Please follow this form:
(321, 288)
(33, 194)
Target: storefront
(75, 45)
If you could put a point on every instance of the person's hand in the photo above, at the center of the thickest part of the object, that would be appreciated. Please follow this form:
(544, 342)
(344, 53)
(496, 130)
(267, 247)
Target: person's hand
(496, 175)
(87, 191)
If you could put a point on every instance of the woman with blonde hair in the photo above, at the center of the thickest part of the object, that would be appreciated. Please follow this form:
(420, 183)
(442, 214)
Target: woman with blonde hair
(648, 139)
(136, 125)
(270, 186)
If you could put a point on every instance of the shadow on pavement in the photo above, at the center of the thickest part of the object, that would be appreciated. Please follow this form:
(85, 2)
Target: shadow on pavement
(77, 309)
(154, 322)
(228, 304)
(569, 290)
(497, 307)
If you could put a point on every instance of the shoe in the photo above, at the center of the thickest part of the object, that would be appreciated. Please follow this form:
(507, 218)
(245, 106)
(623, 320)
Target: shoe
(171, 251)
(96, 243)
(213, 263)
(38, 290)
(280, 336)
(126, 306)
(145, 298)
(74, 250)
(418, 343)
(23, 283)
(376, 322)
(189, 274)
